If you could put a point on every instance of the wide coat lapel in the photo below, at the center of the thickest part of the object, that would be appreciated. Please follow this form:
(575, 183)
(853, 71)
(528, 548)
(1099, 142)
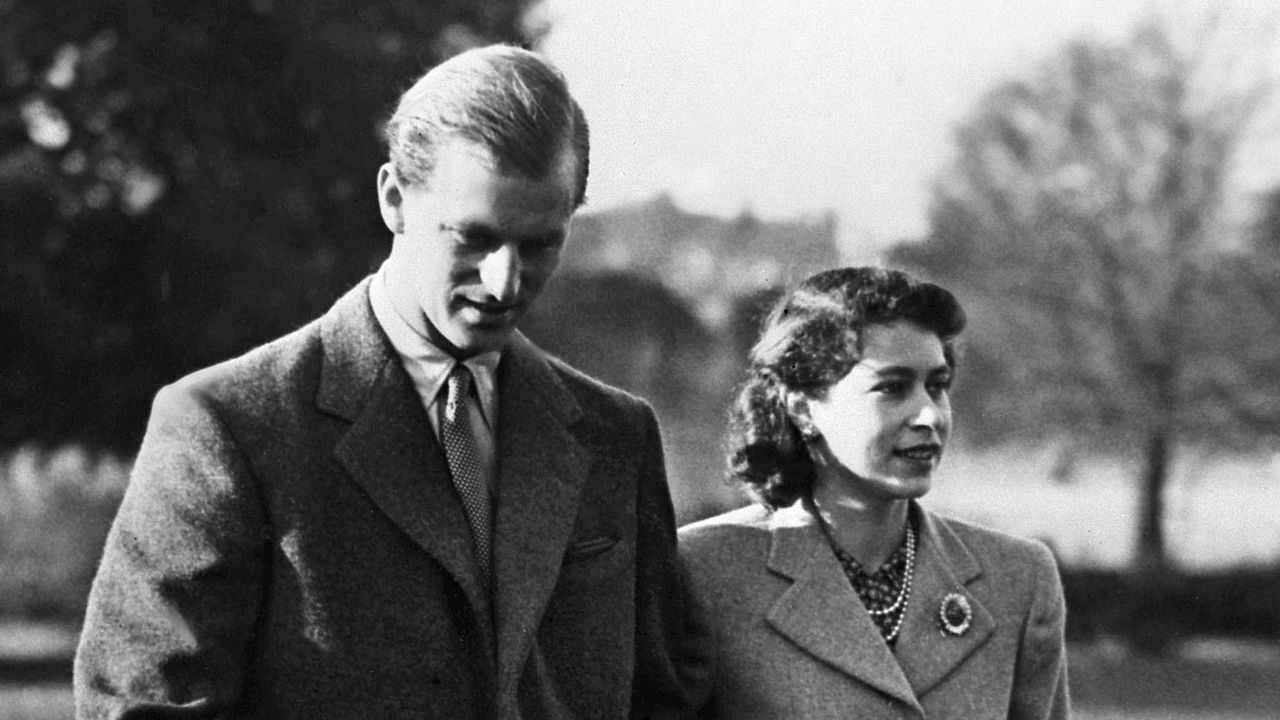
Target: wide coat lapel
(541, 471)
(390, 449)
(944, 565)
(821, 613)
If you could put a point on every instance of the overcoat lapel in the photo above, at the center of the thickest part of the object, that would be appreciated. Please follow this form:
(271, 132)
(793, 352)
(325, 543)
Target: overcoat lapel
(541, 471)
(390, 449)
(821, 613)
(943, 565)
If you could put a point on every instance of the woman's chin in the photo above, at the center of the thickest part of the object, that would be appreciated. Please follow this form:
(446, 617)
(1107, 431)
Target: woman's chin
(914, 487)
(890, 486)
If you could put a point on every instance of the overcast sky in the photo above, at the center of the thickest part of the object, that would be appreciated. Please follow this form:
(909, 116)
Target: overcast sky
(788, 107)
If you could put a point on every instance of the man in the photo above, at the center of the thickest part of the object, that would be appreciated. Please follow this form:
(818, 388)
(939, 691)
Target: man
(404, 509)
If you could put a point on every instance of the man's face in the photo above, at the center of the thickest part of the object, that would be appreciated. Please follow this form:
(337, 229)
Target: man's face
(473, 247)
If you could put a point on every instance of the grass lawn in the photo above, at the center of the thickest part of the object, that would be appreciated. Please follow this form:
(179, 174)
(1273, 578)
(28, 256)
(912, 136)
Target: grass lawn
(1208, 681)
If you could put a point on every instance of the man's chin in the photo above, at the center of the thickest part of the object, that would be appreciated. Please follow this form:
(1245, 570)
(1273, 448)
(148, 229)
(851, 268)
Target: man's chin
(481, 338)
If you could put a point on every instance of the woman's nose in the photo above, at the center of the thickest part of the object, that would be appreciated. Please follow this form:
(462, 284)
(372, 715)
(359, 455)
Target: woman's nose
(500, 272)
(929, 414)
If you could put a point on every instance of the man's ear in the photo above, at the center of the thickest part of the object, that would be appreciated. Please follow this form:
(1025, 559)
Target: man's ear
(798, 411)
(391, 198)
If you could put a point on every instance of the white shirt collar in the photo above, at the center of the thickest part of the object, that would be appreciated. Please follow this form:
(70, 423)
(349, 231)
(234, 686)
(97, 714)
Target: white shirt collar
(427, 364)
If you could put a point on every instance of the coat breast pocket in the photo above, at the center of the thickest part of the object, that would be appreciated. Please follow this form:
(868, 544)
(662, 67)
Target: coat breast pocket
(586, 548)
(591, 560)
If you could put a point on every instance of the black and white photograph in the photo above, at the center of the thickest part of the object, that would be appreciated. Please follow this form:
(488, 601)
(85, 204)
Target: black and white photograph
(521, 359)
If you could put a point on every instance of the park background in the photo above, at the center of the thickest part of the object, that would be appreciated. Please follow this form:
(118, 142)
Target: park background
(1098, 181)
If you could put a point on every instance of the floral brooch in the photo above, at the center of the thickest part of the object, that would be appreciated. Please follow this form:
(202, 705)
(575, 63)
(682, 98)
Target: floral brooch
(955, 615)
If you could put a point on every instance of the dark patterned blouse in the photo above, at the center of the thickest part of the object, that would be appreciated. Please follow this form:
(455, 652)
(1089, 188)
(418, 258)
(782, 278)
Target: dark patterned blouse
(880, 590)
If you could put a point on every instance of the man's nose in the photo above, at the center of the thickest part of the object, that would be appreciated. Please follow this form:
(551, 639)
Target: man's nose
(500, 272)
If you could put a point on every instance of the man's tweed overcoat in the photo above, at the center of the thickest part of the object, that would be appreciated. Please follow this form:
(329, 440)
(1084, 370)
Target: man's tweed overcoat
(291, 546)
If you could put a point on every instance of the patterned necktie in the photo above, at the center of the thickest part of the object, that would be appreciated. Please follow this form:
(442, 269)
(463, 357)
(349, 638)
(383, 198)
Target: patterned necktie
(464, 464)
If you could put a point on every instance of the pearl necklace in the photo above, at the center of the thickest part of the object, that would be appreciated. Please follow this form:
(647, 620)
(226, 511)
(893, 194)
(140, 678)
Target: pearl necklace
(905, 590)
(905, 595)
(899, 604)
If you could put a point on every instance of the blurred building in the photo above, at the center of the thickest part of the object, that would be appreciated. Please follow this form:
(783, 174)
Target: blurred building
(707, 261)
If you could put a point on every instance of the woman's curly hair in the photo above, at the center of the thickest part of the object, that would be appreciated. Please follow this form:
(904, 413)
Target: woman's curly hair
(811, 339)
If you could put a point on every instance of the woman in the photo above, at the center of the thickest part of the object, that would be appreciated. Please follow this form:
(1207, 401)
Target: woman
(839, 595)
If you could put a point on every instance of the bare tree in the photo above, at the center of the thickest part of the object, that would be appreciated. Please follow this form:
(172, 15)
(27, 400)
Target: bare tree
(1084, 222)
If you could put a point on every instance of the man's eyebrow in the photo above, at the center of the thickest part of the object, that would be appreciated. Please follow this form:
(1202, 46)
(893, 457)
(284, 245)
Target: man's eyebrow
(483, 230)
(467, 226)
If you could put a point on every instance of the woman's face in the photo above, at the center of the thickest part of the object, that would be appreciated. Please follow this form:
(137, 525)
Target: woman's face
(886, 423)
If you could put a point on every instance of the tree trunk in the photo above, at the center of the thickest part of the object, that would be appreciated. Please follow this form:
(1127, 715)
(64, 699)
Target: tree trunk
(1151, 555)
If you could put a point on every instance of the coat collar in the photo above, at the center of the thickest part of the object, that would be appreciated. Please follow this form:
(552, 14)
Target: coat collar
(821, 612)
(389, 447)
(390, 451)
(944, 565)
(541, 472)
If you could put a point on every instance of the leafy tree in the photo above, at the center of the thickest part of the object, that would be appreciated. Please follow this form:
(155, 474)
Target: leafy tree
(183, 180)
(1083, 224)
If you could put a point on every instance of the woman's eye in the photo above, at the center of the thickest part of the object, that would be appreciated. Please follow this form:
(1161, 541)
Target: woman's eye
(891, 387)
(938, 387)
